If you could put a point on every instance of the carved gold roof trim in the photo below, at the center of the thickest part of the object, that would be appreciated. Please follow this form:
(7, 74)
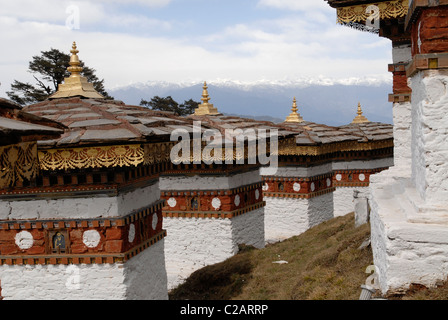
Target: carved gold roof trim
(294, 116)
(75, 85)
(288, 150)
(138, 154)
(17, 163)
(104, 156)
(360, 118)
(205, 108)
(142, 154)
(360, 14)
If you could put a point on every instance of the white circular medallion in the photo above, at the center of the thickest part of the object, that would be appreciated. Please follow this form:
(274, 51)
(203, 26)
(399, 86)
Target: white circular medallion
(172, 202)
(237, 200)
(328, 182)
(131, 234)
(257, 194)
(24, 240)
(362, 177)
(296, 187)
(91, 238)
(216, 203)
(339, 177)
(154, 221)
(312, 186)
(265, 187)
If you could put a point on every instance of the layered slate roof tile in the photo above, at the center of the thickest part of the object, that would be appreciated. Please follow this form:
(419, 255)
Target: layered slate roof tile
(311, 133)
(17, 125)
(370, 131)
(100, 121)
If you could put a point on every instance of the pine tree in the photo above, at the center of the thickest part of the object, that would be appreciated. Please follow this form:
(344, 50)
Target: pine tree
(168, 104)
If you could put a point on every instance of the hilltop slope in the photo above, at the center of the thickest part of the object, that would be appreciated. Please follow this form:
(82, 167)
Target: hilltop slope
(324, 263)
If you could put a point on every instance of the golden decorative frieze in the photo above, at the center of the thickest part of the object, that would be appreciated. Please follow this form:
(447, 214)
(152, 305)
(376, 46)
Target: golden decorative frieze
(18, 162)
(104, 156)
(191, 151)
(147, 154)
(360, 14)
(336, 147)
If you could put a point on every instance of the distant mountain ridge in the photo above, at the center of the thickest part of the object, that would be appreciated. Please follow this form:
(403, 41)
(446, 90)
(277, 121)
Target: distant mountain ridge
(319, 100)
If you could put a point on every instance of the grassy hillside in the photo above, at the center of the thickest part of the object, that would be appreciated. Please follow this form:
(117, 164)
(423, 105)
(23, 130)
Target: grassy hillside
(324, 263)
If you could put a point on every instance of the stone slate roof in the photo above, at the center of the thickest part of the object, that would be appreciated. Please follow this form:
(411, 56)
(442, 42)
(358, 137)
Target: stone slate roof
(104, 122)
(223, 123)
(306, 132)
(370, 131)
(310, 133)
(107, 122)
(18, 126)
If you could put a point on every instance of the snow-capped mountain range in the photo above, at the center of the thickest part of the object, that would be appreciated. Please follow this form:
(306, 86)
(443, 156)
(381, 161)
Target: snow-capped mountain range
(322, 100)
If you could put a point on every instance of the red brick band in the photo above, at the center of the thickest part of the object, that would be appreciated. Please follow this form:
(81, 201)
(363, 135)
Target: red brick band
(116, 238)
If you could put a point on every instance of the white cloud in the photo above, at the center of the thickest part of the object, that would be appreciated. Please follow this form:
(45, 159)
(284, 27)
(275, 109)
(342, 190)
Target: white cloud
(298, 45)
(299, 5)
(100, 13)
(147, 3)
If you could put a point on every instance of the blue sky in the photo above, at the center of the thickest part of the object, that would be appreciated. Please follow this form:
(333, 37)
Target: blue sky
(135, 41)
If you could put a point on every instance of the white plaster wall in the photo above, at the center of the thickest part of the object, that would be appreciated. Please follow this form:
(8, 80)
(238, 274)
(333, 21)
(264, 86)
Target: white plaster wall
(82, 207)
(145, 274)
(404, 252)
(401, 53)
(343, 200)
(321, 209)
(402, 114)
(285, 218)
(378, 242)
(193, 243)
(429, 136)
(300, 172)
(409, 232)
(361, 165)
(137, 199)
(288, 217)
(402, 134)
(209, 182)
(142, 277)
(249, 229)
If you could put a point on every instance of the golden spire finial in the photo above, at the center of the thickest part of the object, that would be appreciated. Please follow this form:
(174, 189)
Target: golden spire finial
(205, 97)
(75, 84)
(205, 108)
(75, 65)
(360, 118)
(294, 105)
(294, 116)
